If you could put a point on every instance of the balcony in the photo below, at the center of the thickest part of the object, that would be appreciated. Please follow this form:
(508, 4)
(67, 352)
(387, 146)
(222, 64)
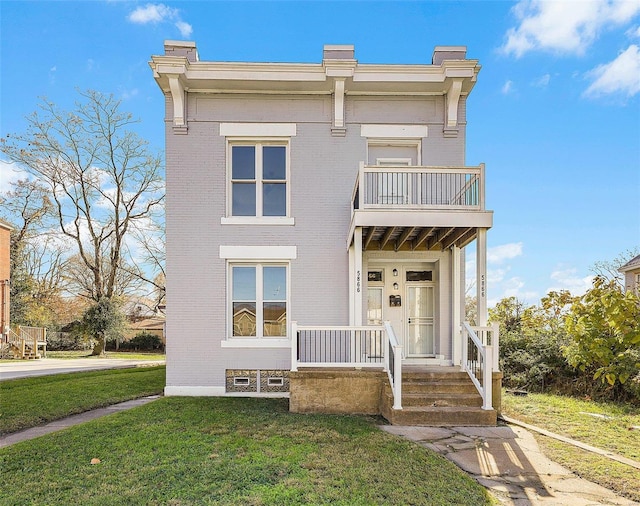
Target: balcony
(417, 207)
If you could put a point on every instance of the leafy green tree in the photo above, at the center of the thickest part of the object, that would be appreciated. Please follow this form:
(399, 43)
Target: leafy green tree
(531, 341)
(605, 334)
(103, 322)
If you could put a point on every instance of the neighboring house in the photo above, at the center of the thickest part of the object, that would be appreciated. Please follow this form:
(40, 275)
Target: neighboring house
(317, 219)
(631, 271)
(5, 277)
(151, 325)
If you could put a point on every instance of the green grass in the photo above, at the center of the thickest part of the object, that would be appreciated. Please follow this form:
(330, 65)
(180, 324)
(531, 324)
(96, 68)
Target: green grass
(28, 402)
(133, 355)
(566, 416)
(231, 451)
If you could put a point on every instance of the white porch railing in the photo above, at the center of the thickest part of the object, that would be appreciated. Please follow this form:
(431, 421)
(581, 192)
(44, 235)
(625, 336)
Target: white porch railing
(420, 187)
(349, 347)
(480, 347)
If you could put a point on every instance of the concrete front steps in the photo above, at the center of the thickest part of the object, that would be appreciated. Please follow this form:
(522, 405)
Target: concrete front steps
(437, 396)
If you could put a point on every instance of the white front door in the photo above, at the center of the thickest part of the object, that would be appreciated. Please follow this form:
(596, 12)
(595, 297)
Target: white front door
(419, 333)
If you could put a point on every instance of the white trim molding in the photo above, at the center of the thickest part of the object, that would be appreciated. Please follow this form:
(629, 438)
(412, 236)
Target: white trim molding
(253, 342)
(259, 252)
(393, 131)
(258, 129)
(257, 220)
(194, 391)
(198, 391)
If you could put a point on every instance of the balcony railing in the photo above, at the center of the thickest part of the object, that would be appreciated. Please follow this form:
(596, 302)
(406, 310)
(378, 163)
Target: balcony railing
(405, 187)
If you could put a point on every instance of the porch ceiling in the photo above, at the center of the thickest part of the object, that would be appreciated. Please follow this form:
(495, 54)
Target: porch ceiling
(415, 238)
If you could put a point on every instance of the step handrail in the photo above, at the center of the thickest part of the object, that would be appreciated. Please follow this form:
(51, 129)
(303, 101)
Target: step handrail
(477, 362)
(393, 365)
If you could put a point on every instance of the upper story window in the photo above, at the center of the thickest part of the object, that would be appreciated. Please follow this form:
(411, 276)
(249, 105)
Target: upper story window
(259, 179)
(258, 173)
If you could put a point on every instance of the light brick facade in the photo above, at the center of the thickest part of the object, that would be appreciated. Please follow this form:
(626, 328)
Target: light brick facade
(332, 106)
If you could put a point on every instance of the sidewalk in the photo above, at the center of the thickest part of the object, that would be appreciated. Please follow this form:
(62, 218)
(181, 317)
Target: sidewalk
(508, 461)
(44, 366)
(70, 421)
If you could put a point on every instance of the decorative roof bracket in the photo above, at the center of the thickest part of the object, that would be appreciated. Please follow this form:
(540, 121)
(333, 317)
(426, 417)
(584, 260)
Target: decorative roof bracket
(452, 101)
(179, 104)
(338, 127)
(339, 63)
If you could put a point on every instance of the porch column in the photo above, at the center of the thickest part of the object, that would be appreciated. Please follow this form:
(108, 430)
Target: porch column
(455, 298)
(481, 275)
(352, 284)
(357, 261)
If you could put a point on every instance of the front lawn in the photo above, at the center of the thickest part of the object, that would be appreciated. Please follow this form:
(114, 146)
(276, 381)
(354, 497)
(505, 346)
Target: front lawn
(610, 426)
(230, 451)
(27, 402)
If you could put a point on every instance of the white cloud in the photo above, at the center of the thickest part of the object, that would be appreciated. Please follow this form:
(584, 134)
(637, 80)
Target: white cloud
(129, 94)
(499, 254)
(621, 75)
(564, 26)
(10, 173)
(566, 279)
(512, 287)
(496, 275)
(160, 13)
(152, 13)
(507, 87)
(543, 81)
(185, 28)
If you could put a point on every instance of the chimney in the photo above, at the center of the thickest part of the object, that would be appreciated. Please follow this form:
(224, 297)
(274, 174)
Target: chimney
(441, 53)
(181, 48)
(338, 52)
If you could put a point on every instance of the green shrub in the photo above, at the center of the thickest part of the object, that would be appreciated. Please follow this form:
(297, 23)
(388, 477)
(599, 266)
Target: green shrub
(143, 341)
(66, 341)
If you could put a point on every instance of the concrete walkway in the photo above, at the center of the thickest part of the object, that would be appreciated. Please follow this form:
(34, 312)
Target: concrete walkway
(70, 421)
(508, 461)
(44, 366)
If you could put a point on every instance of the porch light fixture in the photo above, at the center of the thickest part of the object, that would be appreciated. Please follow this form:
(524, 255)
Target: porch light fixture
(395, 273)
(395, 286)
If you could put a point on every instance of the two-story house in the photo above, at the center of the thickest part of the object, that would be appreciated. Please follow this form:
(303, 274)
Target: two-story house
(317, 216)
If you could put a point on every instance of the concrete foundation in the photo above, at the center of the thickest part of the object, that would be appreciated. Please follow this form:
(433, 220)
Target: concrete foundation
(336, 391)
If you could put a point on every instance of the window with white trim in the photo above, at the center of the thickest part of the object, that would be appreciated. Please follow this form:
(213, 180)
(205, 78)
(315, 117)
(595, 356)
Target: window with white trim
(259, 173)
(258, 300)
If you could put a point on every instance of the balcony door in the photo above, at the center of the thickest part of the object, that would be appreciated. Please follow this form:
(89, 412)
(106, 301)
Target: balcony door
(393, 186)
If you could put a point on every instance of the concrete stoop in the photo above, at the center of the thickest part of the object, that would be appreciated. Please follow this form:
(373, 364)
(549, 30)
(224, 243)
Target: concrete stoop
(443, 398)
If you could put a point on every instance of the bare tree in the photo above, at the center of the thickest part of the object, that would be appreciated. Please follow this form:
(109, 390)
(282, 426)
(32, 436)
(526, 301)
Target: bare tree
(101, 177)
(608, 269)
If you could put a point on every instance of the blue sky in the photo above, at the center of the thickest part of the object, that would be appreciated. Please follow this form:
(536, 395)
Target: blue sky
(555, 114)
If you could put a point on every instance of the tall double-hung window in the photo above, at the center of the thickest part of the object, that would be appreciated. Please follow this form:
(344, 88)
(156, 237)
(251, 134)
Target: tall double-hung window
(259, 300)
(258, 173)
(259, 179)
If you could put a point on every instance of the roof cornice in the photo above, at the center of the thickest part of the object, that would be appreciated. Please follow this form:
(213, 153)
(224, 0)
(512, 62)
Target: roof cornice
(180, 72)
